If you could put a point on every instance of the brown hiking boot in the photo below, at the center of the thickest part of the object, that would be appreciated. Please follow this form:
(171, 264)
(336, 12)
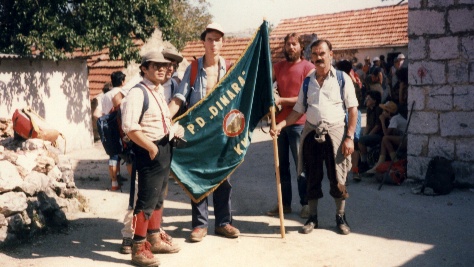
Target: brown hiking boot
(342, 224)
(159, 243)
(126, 247)
(274, 211)
(165, 235)
(228, 231)
(142, 256)
(198, 234)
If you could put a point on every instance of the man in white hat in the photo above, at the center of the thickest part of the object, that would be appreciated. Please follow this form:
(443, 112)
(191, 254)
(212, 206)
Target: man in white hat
(171, 84)
(397, 64)
(211, 68)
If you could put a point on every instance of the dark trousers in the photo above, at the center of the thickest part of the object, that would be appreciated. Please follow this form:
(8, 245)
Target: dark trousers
(289, 142)
(314, 154)
(152, 177)
(222, 198)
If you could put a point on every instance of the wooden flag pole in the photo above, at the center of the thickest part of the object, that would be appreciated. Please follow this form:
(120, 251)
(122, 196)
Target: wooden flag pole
(277, 172)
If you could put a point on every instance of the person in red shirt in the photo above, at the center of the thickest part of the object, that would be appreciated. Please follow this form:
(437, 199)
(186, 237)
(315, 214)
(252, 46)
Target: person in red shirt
(289, 75)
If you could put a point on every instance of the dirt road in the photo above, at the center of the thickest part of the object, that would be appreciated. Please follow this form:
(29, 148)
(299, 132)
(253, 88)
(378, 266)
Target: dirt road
(390, 227)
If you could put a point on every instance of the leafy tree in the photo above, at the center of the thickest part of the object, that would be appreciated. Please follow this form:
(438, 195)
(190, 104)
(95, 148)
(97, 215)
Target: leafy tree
(56, 27)
(192, 17)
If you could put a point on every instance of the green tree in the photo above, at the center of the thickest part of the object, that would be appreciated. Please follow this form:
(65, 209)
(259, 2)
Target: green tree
(57, 27)
(192, 17)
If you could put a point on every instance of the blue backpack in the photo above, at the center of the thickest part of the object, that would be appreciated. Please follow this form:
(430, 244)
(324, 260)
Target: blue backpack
(341, 81)
(109, 127)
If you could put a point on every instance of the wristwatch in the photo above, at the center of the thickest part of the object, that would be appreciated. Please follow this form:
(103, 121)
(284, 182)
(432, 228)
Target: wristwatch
(350, 137)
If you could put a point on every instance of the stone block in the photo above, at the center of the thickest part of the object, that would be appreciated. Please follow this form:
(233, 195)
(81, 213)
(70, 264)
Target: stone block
(457, 72)
(417, 94)
(439, 146)
(417, 145)
(12, 203)
(9, 177)
(440, 98)
(440, 3)
(416, 167)
(427, 73)
(464, 173)
(465, 149)
(414, 4)
(426, 22)
(417, 48)
(463, 98)
(461, 20)
(444, 48)
(467, 47)
(424, 123)
(458, 124)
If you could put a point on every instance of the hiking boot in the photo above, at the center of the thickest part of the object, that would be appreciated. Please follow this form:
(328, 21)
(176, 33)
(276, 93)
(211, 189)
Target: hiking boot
(342, 224)
(159, 244)
(126, 247)
(304, 212)
(274, 211)
(166, 236)
(198, 234)
(228, 231)
(311, 223)
(142, 256)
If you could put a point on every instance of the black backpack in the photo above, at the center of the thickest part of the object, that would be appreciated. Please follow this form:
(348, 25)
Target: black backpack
(439, 176)
(109, 127)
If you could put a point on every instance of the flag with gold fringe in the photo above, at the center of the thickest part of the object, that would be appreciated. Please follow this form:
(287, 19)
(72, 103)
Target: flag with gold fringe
(218, 129)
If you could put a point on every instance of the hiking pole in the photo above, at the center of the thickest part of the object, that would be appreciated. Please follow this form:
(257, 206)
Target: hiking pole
(404, 136)
(277, 174)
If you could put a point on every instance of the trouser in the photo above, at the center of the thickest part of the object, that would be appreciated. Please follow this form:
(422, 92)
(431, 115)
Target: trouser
(289, 141)
(222, 207)
(152, 177)
(314, 154)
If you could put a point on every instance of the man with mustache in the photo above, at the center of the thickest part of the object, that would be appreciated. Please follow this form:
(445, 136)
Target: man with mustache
(289, 75)
(326, 137)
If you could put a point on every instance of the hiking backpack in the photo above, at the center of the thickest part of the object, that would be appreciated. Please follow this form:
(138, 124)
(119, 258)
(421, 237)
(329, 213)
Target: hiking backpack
(109, 127)
(439, 176)
(342, 83)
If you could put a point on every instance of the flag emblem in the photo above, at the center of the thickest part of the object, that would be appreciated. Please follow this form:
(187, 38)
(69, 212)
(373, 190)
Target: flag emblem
(234, 123)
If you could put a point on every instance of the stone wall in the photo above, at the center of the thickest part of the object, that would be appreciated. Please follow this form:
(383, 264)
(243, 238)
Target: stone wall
(441, 78)
(37, 189)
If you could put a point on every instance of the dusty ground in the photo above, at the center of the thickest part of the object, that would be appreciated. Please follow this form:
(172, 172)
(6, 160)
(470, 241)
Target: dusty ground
(390, 227)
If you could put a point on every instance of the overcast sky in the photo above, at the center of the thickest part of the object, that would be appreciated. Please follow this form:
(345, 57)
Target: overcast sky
(238, 15)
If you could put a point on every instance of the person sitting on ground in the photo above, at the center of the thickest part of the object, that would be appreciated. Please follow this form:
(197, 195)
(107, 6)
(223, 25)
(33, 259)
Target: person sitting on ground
(393, 134)
(372, 134)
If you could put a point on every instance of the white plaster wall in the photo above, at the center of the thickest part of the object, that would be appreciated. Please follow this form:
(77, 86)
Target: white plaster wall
(58, 91)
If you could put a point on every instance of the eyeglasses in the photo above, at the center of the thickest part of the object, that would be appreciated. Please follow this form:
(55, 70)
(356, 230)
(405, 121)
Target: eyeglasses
(157, 66)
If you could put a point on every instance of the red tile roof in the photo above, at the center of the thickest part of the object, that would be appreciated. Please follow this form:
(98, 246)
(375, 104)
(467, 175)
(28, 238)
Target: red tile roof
(364, 28)
(101, 67)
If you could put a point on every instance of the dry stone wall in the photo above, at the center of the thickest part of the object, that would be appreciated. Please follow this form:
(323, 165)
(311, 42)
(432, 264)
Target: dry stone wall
(37, 189)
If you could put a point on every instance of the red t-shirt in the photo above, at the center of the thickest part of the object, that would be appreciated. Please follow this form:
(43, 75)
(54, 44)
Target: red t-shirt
(289, 78)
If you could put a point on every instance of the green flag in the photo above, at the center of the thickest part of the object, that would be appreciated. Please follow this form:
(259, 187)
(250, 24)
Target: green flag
(218, 129)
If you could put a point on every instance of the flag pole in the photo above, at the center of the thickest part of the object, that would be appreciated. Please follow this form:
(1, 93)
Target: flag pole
(277, 172)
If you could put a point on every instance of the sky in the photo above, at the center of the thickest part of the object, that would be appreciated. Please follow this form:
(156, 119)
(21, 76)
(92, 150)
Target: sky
(241, 15)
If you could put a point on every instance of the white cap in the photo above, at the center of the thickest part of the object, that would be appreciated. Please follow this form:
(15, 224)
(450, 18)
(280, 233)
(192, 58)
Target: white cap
(400, 56)
(376, 59)
(214, 27)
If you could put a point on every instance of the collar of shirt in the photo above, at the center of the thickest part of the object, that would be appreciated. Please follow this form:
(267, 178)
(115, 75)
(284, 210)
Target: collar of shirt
(151, 85)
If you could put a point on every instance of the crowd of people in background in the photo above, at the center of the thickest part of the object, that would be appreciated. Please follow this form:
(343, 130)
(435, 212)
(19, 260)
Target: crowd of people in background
(382, 91)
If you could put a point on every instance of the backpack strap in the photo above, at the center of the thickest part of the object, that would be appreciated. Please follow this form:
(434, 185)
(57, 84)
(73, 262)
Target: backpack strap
(194, 71)
(145, 101)
(305, 92)
(342, 84)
